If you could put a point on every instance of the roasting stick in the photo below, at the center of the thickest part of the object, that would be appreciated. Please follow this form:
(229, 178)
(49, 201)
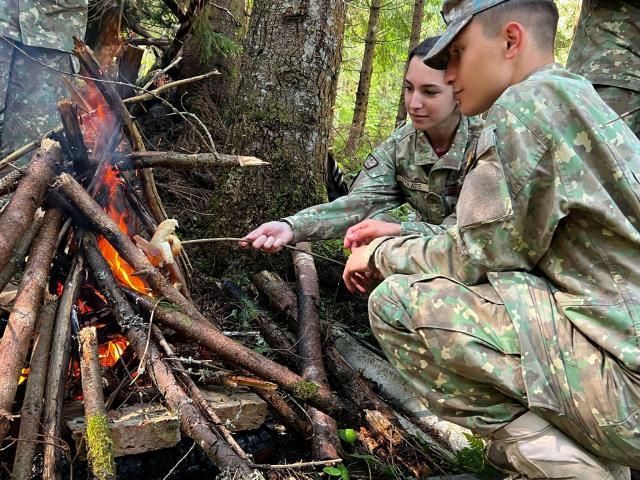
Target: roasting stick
(227, 239)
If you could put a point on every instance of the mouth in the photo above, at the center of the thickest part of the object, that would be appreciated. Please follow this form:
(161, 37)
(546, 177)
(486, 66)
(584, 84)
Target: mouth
(456, 93)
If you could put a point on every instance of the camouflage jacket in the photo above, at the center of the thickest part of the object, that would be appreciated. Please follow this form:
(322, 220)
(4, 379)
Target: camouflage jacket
(403, 169)
(44, 23)
(606, 45)
(549, 215)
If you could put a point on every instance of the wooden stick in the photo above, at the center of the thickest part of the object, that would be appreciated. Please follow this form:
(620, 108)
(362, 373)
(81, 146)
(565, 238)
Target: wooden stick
(325, 443)
(10, 181)
(186, 161)
(235, 353)
(184, 81)
(279, 294)
(197, 322)
(98, 436)
(16, 340)
(192, 422)
(58, 366)
(17, 261)
(197, 395)
(285, 413)
(73, 133)
(30, 195)
(274, 335)
(32, 405)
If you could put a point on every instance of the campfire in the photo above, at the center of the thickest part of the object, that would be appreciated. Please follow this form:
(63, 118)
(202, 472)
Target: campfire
(105, 277)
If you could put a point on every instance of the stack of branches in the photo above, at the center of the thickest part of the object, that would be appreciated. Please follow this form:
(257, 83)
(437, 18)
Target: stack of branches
(56, 217)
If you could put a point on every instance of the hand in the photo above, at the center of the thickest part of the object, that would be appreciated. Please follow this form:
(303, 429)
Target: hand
(357, 274)
(269, 237)
(364, 232)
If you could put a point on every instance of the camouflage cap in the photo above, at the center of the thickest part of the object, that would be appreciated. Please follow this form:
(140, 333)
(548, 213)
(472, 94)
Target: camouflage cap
(456, 14)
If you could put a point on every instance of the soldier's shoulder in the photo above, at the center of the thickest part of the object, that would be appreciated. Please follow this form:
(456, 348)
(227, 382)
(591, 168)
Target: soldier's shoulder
(404, 132)
(475, 125)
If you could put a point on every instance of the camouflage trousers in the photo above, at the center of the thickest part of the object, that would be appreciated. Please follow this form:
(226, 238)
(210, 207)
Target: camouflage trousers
(622, 100)
(458, 348)
(29, 93)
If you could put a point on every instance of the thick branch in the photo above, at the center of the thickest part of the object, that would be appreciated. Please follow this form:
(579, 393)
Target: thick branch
(17, 261)
(325, 442)
(192, 422)
(18, 215)
(32, 405)
(176, 160)
(18, 334)
(73, 132)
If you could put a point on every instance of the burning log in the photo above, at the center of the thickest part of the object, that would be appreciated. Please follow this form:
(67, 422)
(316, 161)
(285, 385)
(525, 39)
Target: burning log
(18, 334)
(192, 323)
(73, 133)
(176, 160)
(32, 405)
(325, 442)
(98, 436)
(28, 197)
(58, 364)
(192, 422)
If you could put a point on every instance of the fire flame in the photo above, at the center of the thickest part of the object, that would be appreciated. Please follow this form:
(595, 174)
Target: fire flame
(109, 353)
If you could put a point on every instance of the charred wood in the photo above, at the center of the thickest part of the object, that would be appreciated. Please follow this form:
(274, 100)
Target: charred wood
(17, 261)
(73, 133)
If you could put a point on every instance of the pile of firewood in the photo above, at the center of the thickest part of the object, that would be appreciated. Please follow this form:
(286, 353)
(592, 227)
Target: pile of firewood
(86, 216)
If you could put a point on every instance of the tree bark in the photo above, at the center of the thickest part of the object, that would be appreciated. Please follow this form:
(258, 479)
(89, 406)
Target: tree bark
(282, 114)
(190, 419)
(73, 134)
(414, 39)
(98, 435)
(179, 161)
(364, 82)
(30, 194)
(17, 261)
(33, 397)
(58, 367)
(18, 334)
(325, 441)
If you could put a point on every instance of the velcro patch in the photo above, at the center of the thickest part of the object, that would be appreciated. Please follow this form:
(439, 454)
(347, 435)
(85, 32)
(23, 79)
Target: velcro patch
(422, 187)
(370, 162)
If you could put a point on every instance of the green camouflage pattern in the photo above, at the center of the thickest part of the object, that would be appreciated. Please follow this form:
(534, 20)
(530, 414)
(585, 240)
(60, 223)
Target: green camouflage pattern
(549, 217)
(606, 50)
(29, 94)
(606, 44)
(44, 23)
(404, 169)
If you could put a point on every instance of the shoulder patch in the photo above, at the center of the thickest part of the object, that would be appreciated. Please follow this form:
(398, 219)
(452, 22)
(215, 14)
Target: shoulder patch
(370, 162)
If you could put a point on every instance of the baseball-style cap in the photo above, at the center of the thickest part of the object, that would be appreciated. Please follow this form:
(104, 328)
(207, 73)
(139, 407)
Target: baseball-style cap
(456, 14)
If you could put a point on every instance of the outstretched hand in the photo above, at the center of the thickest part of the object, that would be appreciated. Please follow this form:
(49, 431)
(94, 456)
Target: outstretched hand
(269, 237)
(357, 275)
(365, 232)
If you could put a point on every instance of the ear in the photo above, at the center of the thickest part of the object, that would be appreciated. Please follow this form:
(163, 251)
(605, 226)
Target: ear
(513, 36)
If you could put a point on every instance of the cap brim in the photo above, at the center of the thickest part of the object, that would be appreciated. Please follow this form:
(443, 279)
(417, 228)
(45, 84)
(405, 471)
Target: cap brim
(438, 56)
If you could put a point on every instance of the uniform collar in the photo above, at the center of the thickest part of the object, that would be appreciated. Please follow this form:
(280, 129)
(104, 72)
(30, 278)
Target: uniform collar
(425, 155)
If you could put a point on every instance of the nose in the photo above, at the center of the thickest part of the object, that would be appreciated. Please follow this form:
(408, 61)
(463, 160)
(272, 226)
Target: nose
(416, 102)
(450, 73)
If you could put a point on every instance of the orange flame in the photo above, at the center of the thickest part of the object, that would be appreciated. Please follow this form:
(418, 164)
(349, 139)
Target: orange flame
(120, 268)
(24, 375)
(109, 353)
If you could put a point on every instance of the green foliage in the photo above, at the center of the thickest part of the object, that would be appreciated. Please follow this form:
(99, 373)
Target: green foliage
(472, 459)
(388, 69)
(211, 42)
(100, 448)
(348, 435)
(340, 471)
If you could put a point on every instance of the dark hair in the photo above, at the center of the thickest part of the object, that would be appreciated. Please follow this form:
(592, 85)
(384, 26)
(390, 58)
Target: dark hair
(541, 16)
(423, 47)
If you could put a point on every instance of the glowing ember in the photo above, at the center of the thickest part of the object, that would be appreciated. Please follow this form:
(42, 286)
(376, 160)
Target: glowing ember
(24, 375)
(110, 352)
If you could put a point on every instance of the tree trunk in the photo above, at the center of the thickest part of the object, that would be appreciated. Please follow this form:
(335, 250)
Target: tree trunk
(364, 83)
(283, 112)
(414, 39)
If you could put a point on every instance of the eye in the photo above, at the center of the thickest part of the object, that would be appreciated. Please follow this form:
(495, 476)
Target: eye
(431, 93)
(408, 88)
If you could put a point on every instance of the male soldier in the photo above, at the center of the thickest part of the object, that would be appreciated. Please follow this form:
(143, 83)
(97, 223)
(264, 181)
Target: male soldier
(606, 50)
(521, 321)
(421, 163)
(35, 35)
